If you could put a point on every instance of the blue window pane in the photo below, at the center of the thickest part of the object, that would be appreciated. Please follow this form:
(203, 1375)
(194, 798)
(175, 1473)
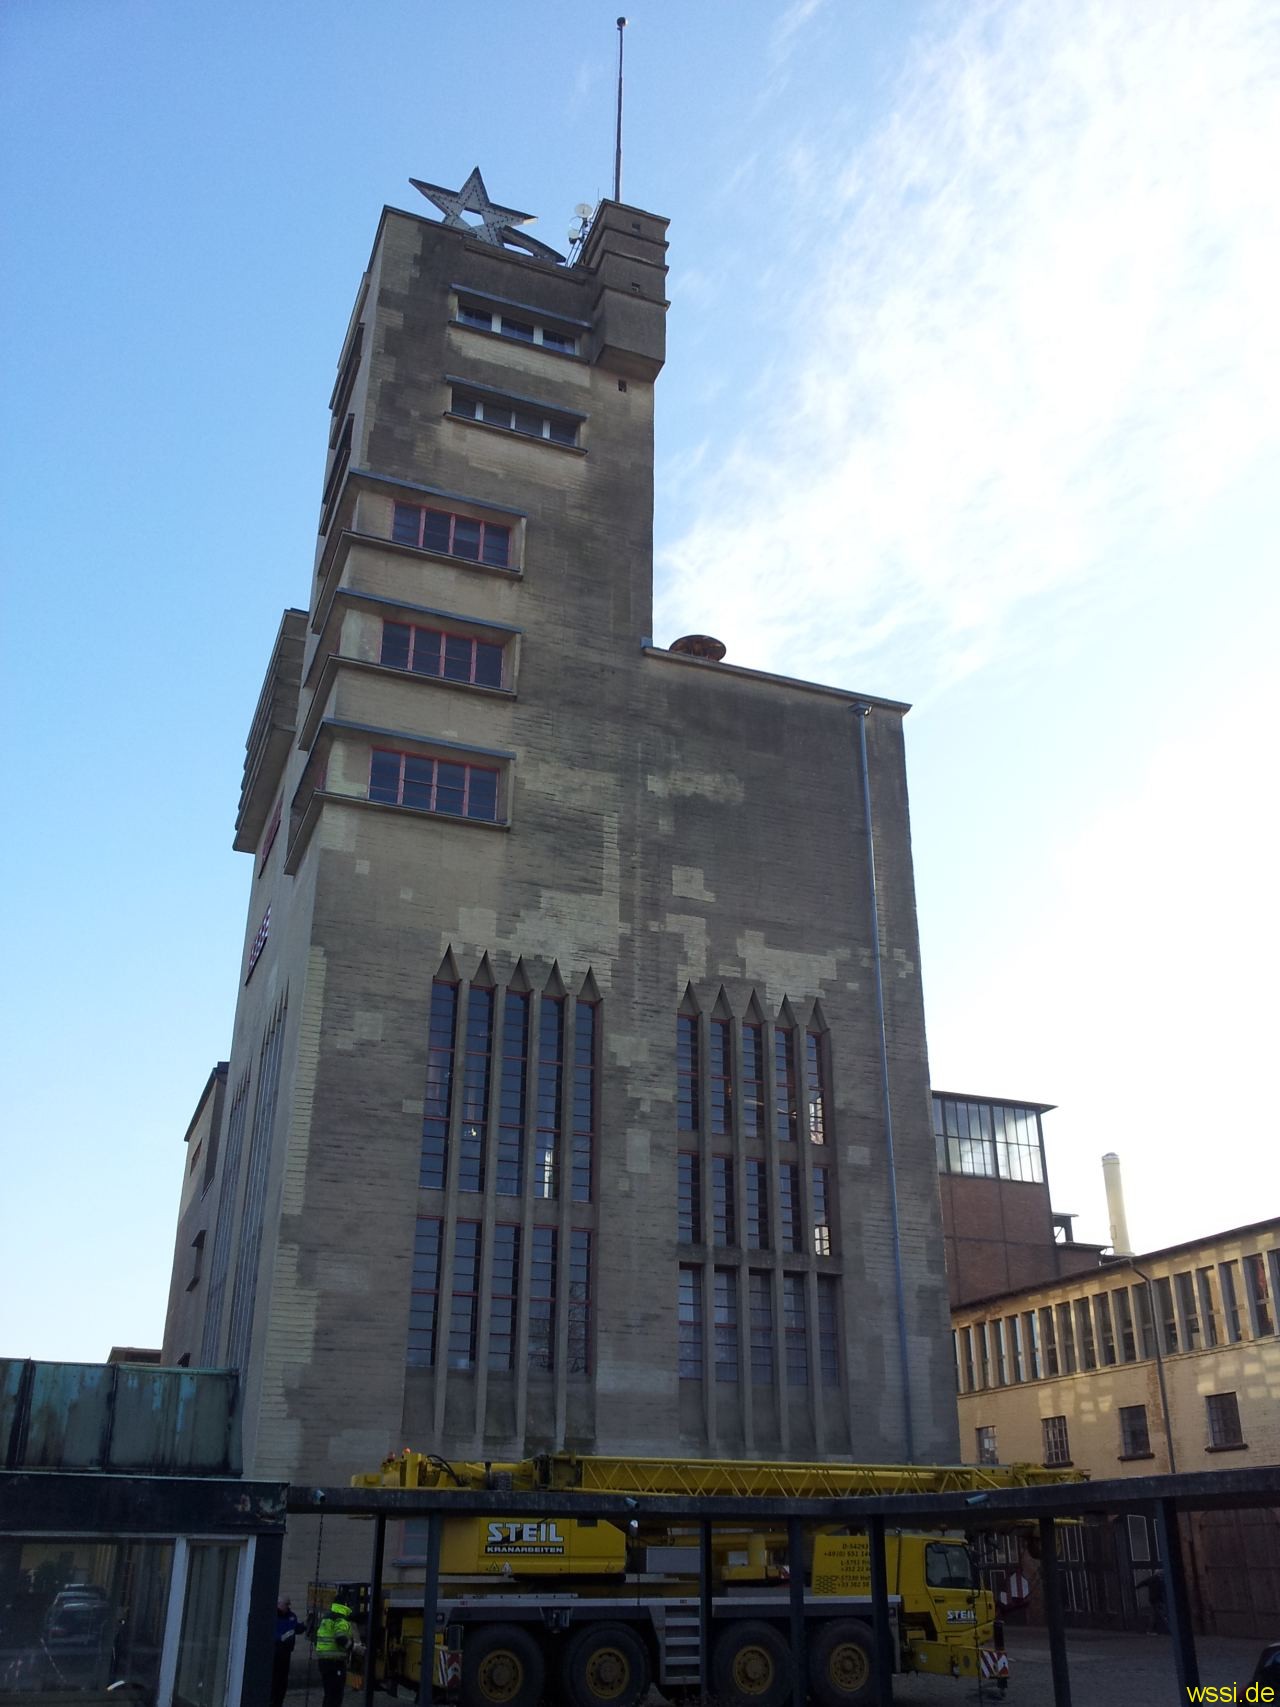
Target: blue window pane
(435, 530)
(426, 651)
(517, 329)
(384, 777)
(564, 432)
(558, 341)
(457, 658)
(417, 783)
(497, 546)
(488, 665)
(466, 538)
(482, 799)
(404, 528)
(475, 316)
(395, 645)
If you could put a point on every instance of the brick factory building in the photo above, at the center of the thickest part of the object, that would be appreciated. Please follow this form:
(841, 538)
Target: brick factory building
(556, 1106)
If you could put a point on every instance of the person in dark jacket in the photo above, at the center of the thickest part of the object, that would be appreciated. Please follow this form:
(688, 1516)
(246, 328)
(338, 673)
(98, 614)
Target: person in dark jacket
(287, 1627)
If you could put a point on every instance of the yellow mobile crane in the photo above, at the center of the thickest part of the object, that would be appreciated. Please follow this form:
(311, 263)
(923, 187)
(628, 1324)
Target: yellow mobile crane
(591, 1612)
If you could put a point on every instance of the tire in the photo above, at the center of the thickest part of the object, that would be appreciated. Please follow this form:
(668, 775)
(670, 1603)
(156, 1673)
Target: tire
(501, 1667)
(605, 1665)
(841, 1668)
(751, 1667)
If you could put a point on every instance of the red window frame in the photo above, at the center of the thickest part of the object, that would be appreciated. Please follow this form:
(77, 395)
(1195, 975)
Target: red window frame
(790, 1238)
(720, 1077)
(496, 530)
(259, 943)
(427, 759)
(786, 1113)
(441, 1026)
(423, 640)
(816, 1085)
(757, 1194)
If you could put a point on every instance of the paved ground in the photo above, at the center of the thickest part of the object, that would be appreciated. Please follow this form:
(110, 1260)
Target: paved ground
(1106, 1671)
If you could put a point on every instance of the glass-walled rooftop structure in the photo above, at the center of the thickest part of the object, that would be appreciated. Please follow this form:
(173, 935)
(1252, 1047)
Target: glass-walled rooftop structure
(988, 1139)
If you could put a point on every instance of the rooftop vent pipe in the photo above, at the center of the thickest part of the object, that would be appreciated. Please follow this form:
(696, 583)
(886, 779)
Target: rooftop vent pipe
(1115, 1205)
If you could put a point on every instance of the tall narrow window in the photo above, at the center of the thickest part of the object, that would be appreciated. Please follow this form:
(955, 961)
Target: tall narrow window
(1106, 1338)
(435, 1122)
(1128, 1344)
(789, 1206)
(546, 1174)
(970, 1365)
(1048, 1341)
(1084, 1335)
(424, 1299)
(1208, 1309)
(726, 1324)
(720, 1085)
(1185, 1287)
(476, 1068)
(757, 1195)
(503, 1298)
(1167, 1316)
(1230, 1301)
(829, 1330)
(786, 1114)
(511, 1094)
(986, 1442)
(795, 1325)
(579, 1349)
(997, 1350)
(1145, 1321)
(464, 1304)
(690, 1324)
(752, 1080)
(1066, 1340)
(688, 1198)
(815, 1086)
(585, 1033)
(723, 1228)
(1255, 1270)
(1013, 1337)
(760, 1290)
(687, 1075)
(821, 1213)
(1031, 1345)
(982, 1345)
(542, 1299)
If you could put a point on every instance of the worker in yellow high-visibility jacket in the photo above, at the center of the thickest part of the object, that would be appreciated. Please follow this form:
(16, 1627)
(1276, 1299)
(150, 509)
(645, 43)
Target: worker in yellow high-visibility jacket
(333, 1640)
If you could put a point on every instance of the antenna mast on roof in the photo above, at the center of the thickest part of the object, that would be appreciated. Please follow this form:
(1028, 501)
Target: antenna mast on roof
(617, 152)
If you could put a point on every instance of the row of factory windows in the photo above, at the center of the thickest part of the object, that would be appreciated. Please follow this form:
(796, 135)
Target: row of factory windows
(1191, 1310)
(747, 1102)
(754, 1232)
(445, 1305)
(545, 1118)
(988, 1140)
(711, 1319)
(1223, 1432)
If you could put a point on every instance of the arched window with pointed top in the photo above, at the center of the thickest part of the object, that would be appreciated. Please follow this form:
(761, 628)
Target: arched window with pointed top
(786, 1110)
(815, 1081)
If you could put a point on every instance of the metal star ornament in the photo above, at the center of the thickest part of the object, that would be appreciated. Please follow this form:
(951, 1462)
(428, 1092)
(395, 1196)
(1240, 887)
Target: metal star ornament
(498, 225)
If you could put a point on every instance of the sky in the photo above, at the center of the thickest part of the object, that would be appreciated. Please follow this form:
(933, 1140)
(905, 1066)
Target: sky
(970, 400)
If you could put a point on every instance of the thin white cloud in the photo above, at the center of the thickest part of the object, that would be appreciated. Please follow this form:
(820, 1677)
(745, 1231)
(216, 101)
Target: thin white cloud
(1037, 327)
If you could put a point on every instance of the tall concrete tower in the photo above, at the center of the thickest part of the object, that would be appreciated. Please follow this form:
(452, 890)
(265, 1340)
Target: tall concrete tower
(556, 1108)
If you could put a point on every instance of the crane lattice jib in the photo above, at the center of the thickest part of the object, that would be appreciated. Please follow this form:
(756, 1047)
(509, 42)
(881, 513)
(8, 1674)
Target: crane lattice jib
(764, 1478)
(748, 1478)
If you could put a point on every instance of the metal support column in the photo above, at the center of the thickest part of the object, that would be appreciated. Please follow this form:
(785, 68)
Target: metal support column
(260, 1631)
(799, 1648)
(430, 1601)
(371, 1642)
(881, 1628)
(1177, 1602)
(706, 1589)
(1051, 1588)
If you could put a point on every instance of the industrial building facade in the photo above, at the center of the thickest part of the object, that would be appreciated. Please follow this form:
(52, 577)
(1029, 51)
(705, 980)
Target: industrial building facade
(556, 1106)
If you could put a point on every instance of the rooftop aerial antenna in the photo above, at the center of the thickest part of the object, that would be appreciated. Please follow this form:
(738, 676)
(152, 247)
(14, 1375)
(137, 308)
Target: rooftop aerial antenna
(617, 152)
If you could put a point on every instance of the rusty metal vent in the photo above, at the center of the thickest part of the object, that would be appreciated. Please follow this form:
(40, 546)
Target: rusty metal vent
(700, 646)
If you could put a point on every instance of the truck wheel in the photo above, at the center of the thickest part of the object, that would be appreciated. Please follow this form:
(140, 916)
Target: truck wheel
(840, 1668)
(751, 1667)
(501, 1667)
(605, 1665)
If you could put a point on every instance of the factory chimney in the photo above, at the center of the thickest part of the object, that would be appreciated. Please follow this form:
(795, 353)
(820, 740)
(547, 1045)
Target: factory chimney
(1115, 1205)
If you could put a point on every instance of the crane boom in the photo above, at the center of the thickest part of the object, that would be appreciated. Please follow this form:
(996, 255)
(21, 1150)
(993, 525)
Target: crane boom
(749, 1478)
